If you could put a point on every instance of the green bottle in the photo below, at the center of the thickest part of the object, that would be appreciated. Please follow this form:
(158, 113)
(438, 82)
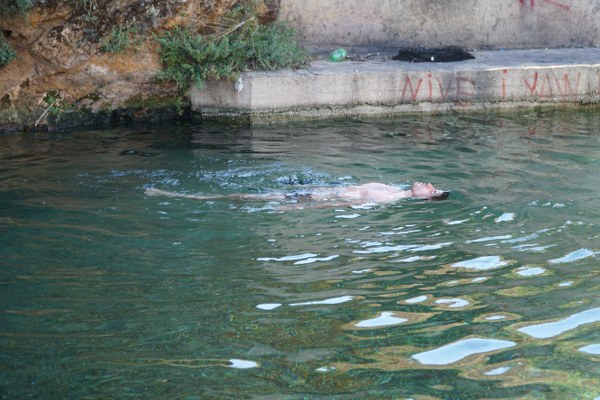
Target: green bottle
(338, 55)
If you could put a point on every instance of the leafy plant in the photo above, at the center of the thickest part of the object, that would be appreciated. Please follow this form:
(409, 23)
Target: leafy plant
(119, 38)
(180, 106)
(243, 44)
(56, 104)
(187, 57)
(11, 7)
(7, 53)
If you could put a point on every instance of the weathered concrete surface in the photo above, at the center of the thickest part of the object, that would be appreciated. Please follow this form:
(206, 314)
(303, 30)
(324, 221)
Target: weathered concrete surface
(479, 24)
(383, 86)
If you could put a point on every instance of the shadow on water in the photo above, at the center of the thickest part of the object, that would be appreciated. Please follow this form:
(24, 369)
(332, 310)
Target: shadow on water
(109, 293)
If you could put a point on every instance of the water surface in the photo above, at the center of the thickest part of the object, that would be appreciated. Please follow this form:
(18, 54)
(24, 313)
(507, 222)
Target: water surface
(493, 293)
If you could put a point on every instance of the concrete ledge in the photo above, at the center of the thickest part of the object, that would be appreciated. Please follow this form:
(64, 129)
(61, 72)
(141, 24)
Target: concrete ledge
(479, 24)
(381, 86)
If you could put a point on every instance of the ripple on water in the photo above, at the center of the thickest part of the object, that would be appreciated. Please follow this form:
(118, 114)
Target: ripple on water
(365, 206)
(460, 349)
(412, 259)
(268, 306)
(387, 318)
(415, 300)
(566, 284)
(457, 222)
(495, 317)
(403, 247)
(289, 258)
(497, 371)
(489, 239)
(384, 249)
(242, 364)
(530, 271)
(551, 329)
(505, 217)
(453, 303)
(573, 256)
(325, 369)
(316, 259)
(333, 300)
(481, 263)
(429, 247)
(591, 349)
(348, 216)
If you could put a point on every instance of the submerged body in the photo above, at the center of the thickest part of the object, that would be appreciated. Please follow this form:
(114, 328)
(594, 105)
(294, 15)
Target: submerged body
(377, 193)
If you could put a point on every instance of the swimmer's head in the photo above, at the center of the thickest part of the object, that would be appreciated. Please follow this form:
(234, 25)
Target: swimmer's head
(422, 190)
(440, 195)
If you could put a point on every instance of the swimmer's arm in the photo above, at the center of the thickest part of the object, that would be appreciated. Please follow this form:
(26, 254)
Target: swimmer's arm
(239, 196)
(164, 193)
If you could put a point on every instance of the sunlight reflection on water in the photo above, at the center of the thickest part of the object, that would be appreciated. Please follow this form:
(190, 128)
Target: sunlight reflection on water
(456, 351)
(551, 329)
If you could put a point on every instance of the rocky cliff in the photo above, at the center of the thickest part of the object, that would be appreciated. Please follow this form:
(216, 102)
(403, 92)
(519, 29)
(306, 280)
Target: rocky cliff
(64, 76)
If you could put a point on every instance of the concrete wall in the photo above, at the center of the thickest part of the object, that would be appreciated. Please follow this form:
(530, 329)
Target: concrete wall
(496, 79)
(474, 24)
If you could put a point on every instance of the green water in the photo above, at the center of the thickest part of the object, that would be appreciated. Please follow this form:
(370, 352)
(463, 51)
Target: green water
(108, 293)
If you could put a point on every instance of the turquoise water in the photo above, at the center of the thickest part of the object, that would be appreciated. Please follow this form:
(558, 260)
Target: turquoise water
(108, 293)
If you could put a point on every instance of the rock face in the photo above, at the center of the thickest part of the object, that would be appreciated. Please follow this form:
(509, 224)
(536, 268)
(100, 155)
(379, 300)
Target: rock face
(62, 78)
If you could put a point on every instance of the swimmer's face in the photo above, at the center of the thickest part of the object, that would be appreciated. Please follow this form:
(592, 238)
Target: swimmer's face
(423, 190)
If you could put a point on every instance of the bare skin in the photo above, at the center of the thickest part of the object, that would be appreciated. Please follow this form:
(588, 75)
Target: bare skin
(377, 193)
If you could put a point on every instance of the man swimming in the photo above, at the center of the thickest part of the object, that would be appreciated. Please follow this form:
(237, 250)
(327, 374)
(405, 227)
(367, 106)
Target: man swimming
(377, 193)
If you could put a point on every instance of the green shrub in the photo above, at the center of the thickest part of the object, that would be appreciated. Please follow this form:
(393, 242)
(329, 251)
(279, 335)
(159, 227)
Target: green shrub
(246, 45)
(119, 38)
(7, 53)
(187, 58)
(276, 47)
(10, 7)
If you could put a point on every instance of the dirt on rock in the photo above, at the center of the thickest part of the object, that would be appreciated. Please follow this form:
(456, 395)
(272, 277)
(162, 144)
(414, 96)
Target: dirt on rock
(61, 77)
